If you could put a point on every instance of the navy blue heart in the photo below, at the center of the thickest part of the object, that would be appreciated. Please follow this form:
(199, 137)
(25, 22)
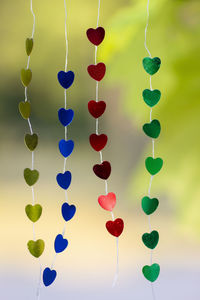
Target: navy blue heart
(65, 116)
(66, 147)
(66, 79)
(68, 211)
(49, 276)
(60, 243)
(64, 180)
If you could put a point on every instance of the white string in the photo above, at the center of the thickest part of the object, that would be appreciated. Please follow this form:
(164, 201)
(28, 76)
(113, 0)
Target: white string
(33, 32)
(146, 28)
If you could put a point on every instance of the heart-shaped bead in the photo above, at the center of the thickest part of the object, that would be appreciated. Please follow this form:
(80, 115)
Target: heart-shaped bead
(103, 170)
(153, 165)
(151, 98)
(64, 180)
(29, 46)
(96, 109)
(151, 239)
(31, 176)
(65, 116)
(25, 109)
(151, 65)
(152, 272)
(96, 36)
(152, 129)
(66, 79)
(26, 76)
(115, 227)
(66, 147)
(33, 212)
(36, 248)
(60, 243)
(31, 141)
(149, 205)
(49, 276)
(108, 201)
(98, 142)
(68, 211)
(97, 72)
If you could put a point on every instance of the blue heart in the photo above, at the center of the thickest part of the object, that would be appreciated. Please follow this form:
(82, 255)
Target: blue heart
(66, 79)
(60, 243)
(68, 211)
(49, 276)
(66, 147)
(64, 180)
(65, 116)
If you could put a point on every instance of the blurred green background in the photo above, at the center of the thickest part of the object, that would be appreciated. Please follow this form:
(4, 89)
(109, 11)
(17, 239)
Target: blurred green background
(173, 35)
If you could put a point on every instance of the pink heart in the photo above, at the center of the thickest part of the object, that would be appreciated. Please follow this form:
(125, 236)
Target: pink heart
(107, 202)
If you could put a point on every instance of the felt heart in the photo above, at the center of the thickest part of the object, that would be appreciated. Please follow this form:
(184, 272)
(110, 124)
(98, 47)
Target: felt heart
(31, 141)
(60, 243)
(115, 227)
(26, 76)
(66, 147)
(97, 72)
(96, 109)
(68, 211)
(151, 239)
(36, 248)
(98, 142)
(107, 202)
(64, 180)
(151, 65)
(31, 176)
(151, 98)
(33, 212)
(152, 272)
(103, 170)
(29, 46)
(66, 79)
(153, 165)
(49, 276)
(65, 116)
(96, 36)
(25, 109)
(152, 129)
(149, 205)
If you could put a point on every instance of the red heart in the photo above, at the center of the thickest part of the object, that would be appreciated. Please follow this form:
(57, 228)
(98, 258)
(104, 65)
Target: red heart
(96, 108)
(107, 202)
(98, 142)
(96, 36)
(103, 170)
(115, 227)
(97, 72)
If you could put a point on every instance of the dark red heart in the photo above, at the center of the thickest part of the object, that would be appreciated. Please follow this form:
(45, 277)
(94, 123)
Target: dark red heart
(96, 109)
(103, 170)
(98, 142)
(115, 227)
(96, 36)
(97, 72)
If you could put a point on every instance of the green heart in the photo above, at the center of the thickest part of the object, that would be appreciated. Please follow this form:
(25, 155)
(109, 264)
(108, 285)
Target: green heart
(36, 248)
(151, 239)
(153, 165)
(31, 176)
(33, 212)
(151, 65)
(152, 272)
(26, 76)
(31, 141)
(151, 98)
(29, 46)
(152, 129)
(25, 109)
(149, 205)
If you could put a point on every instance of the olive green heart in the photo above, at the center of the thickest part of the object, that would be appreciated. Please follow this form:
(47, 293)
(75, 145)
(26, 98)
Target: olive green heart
(151, 239)
(33, 212)
(149, 205)
(152, 272)
(152, 129)
(151, 65)
(151, 98)
(26, 76)
(153, 165)
(31, 141)
(36, 248)
(29, 46)
(25, 109)
(31, 176)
